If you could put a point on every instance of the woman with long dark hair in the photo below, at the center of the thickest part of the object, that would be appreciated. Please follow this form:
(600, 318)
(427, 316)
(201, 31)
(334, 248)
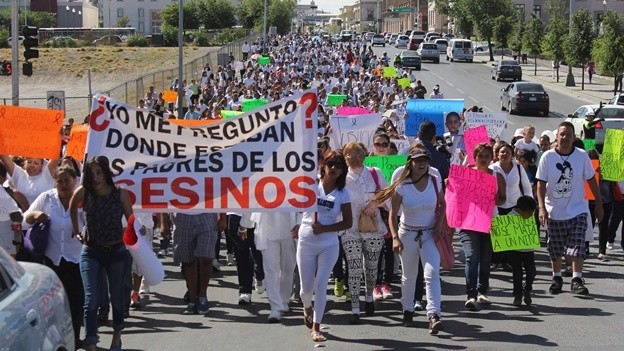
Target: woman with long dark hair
(104, 204)
(318, 246)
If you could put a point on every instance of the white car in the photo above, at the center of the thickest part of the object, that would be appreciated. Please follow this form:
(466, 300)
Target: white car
(34, 310)
(613, 116)
(378, 39)
(442, 45)
(401, 41)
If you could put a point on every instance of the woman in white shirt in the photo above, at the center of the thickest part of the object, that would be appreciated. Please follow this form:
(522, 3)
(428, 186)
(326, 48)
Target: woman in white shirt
(63, 251)
(318, 246)
(34, 178)
(419, 193)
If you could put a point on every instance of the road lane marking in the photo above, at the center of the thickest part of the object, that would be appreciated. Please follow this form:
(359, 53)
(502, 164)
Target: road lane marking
(470, 97)
(461, 91)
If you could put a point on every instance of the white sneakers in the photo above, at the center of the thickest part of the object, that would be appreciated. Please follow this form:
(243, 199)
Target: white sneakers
(260, 288)
(244, 299)
(275, 316)
(144, 289)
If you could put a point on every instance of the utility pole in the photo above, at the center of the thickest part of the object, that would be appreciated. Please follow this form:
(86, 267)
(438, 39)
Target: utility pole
(15, 52)
(180, 58)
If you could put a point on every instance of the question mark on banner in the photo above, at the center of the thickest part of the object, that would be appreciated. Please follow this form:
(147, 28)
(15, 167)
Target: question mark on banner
(99, 111)
(310, 109)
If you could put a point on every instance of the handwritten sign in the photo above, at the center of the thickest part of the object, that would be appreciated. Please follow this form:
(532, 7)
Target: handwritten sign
(495, 123)
(389, 72)
(387, 164)
(420, 110)
(473, 137)
(403, 82)
(512, 232)
(470, 199)
(612, 161)
(170, 95)
(588, 193)
(335, 99)
(30, 132)
(250, 104)
(77, 143)
(589, 144)
(358, 128)
(352, 110)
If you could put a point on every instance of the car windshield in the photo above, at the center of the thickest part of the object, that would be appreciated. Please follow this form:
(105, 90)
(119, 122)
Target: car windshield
(441, 41)
(611, 113)
(530, 87)
(403, 37)
(378, 36)
(509, 63)
(430, 46)
(409, 54)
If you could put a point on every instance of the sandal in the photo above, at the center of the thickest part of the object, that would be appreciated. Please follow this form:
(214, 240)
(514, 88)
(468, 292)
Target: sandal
(317, 336)
(307, 318)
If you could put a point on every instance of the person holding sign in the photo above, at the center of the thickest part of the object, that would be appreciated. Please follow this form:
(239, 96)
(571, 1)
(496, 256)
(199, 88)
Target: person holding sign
(420, 195)
(477, 245)
(104, 205)
(561, 175)
(525, 207)
(360, 244)
(33, 178)
(318, 245)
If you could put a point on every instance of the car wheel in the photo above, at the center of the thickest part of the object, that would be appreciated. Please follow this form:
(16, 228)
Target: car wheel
(437, 61)
(470, 61)
(545, 112)
(384, 45)
(502, 105)
(447, 58)
(418, 68)
(479, 50)
(451, 60)
(510, 109)
(492, 77)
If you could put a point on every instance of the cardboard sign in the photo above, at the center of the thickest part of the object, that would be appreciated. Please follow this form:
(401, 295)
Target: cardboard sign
(264, 60)
(473, 137)
(387, 164)
(30, 132)
(403, 82)
(589, 144)
(470, 199)
(612, 160)
(389, 72)
(495, 123)
(170, 96)
(588, 193)
(77, 144)
(250, 104)
(360, 128)
(512, 232)
(260, 161)
(225, 114)
(420, 110)
(335, 99)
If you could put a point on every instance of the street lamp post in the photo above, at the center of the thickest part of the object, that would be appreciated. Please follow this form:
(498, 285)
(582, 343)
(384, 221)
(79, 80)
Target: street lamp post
(570, 77)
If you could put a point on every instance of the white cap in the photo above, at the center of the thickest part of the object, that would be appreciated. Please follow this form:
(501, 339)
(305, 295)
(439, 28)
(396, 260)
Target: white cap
(519, 132)
(549, 134)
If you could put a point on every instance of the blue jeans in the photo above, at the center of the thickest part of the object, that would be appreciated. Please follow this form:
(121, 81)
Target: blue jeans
(478, 252)
(92, 262)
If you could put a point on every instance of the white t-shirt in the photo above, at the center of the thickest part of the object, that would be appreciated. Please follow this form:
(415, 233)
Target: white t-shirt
(32, 186)
(361, 188)
(397, 173)
(565, 178)
(418, 206)
(513, 179)
(523, 145)
(328, 211)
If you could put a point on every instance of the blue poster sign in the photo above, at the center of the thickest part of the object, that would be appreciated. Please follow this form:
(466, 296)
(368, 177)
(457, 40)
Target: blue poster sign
(420, 110)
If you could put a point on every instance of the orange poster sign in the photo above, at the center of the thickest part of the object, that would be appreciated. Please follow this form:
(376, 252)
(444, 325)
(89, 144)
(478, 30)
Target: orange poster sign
(77, 143)
(170, 95)
(30, 132)
(588, 193)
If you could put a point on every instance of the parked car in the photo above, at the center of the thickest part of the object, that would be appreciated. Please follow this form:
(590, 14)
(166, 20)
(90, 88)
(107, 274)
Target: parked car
(61, 42)
(442, 45)
(432, 39)
(617, 100)
(393, 38)
(34, 308)
(429, 51)
(401, 41)
(378, 39)
(506, 69)
(613, 116)
(523, 97)
(460, 49)
(108, 40)
(411, 59)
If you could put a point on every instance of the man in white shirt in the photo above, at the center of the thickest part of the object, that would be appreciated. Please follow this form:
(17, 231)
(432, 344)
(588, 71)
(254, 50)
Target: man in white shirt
(245, 50)
(561, 175)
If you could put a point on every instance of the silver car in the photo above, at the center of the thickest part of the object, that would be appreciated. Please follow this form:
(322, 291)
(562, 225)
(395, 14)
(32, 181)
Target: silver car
(612, 115)
(429, 51)
(34, 310)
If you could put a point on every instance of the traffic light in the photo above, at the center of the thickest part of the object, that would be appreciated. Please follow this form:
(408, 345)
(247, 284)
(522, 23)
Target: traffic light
(5, 68)
(31, 40)
(27, 69)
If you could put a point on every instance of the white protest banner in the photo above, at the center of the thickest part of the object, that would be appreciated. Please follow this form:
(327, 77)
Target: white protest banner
(495, 123)
(261, 160)
(359, 128)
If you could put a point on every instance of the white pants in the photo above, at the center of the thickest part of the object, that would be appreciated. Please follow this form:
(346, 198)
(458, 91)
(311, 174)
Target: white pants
(278, 261)
(315, 266)
(425, 250)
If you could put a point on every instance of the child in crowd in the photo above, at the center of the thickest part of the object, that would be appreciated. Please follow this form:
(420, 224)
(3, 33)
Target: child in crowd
(525, 207)
(526, 143)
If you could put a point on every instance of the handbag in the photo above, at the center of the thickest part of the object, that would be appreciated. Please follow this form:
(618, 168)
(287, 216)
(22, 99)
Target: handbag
(367, 223)
(445, 241)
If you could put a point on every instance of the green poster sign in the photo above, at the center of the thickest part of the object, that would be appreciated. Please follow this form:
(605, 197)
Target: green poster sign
(225, 114)
(335, 99)
(250, 104)
(512, 232)
(612, 159)
(387, 164)
(389, 72)
(264, 60)
(403, 82)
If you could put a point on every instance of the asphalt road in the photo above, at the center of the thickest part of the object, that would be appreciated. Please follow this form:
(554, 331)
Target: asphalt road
(553, 322)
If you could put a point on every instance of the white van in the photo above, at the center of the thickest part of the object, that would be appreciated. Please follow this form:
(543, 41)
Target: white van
(460, 49)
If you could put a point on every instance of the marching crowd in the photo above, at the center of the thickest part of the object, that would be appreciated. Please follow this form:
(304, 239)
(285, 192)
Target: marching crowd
(361, 224)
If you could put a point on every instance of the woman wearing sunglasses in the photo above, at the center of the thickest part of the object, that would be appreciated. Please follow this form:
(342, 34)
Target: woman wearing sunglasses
(318, 246)
(381, 143)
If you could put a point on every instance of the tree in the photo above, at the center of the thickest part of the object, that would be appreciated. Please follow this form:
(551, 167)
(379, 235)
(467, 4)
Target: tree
(251, 13)
(122, 22)
(216, 14)
(483, 14)
(41, 19)
(503, 26)
(580, 41)
(553, 44)
(608, 47)
(280, 14)
(169, 15)
(532, 39)
(515, 40)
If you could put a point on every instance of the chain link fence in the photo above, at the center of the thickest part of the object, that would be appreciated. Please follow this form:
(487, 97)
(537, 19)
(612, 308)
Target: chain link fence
(131, 91)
